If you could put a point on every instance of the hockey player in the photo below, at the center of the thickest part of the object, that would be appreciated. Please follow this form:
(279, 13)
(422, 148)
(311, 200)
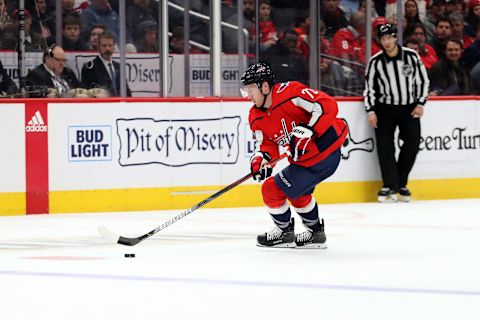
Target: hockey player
(303, 120)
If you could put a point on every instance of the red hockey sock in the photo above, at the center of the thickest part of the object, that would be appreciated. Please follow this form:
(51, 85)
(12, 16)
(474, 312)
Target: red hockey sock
(273, 196)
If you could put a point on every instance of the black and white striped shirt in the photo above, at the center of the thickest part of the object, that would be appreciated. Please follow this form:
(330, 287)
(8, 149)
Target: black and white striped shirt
(401, 80)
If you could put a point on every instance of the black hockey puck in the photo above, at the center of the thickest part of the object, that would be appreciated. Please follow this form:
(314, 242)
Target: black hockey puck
(129, 255)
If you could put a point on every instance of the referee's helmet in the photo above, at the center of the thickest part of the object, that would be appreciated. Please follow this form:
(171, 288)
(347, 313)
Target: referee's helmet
(387, 29)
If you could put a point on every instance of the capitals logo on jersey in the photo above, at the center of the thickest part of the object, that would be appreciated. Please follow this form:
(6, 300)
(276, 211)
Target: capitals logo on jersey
(292, 104)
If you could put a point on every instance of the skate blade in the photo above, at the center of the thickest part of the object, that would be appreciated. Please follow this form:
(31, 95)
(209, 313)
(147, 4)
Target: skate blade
(281, 245)
(313, 246)
(388, 199)
(404, 198)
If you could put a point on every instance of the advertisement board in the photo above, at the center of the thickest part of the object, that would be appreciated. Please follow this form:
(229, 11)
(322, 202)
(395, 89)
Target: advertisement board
(106, 155)
(185, 143)
(138, 145)
(12, 139)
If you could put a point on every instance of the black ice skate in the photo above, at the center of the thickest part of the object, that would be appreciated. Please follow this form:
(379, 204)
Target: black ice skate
(277, 237)
(310, 239)
(386, 195)
(404, 194)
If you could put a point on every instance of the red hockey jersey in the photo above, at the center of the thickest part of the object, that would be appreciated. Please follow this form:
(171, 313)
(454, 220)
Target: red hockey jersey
(292, 104)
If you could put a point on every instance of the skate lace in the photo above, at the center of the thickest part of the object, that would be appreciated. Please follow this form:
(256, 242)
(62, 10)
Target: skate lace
(275, 233)
(304, 236)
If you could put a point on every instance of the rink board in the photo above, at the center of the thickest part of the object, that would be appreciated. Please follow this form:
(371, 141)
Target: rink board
(148, 154)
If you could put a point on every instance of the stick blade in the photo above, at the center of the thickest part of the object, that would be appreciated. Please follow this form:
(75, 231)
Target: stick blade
(108, 235)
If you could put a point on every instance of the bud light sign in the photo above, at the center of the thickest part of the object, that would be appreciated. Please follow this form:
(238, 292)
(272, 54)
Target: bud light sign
(89, 143)
(178, 142)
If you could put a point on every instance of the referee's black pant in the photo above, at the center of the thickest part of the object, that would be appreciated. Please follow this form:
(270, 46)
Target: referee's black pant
(395, 172)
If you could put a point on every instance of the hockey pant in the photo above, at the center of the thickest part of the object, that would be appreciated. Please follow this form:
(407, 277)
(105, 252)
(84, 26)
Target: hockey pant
(296, 184)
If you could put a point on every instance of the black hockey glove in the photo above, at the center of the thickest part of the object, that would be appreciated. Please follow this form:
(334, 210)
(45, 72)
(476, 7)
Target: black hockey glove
(259, 166)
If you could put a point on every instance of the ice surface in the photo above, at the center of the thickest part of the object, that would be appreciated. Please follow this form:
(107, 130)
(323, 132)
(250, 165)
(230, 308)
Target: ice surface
(385, 261)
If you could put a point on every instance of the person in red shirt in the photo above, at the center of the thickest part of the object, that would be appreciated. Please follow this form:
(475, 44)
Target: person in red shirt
(302, 28)
(303, 120)
(347, 42)
(268, 30)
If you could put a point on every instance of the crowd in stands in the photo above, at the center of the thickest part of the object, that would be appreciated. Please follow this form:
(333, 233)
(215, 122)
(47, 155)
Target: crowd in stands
(445, 33)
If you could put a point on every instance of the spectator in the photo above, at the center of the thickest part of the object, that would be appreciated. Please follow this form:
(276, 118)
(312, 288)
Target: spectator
(103, 72)
(471, 55)
(332, 73)
(95, 31)
(33, 40)
(475, 76)
(391, 8)
(443, 31)
(347, 42)
(177, 43)
(53, 73)
(473, 17)
(411, 13)
(71, 35)
(448, 76)
(454, 6)
(69, 7)
(5, 20)
(435, 12)
(285, 10)
(286, 60)
(333, 16)
(413, 44)
(7, 86)
(248, 13)
(268, 31)
(362, 7)
(428, 55)
(458, 26)
(100, 12)
(43, 22)
(146, 39)
(230, 36)
(302, 28)
(138, 12)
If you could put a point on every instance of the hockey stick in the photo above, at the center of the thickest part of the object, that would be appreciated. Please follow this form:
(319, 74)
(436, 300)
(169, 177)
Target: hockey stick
(115, 238)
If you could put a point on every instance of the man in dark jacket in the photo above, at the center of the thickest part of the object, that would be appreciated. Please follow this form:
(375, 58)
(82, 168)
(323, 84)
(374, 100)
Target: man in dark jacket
(449, 76)
(103, 72)
(7, 86)
(286, 60)
(53, 73)
(471, 55)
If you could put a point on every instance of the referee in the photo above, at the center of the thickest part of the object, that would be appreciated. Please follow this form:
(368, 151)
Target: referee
(396, 90)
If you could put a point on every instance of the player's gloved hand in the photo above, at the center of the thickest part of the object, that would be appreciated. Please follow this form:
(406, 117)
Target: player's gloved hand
(300, 138)
(259, 165)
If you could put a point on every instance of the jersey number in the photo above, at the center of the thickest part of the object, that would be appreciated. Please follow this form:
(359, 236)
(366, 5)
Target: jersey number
(310, 92)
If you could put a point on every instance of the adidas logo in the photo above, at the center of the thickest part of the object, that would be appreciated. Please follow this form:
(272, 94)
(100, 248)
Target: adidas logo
(36, 124)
